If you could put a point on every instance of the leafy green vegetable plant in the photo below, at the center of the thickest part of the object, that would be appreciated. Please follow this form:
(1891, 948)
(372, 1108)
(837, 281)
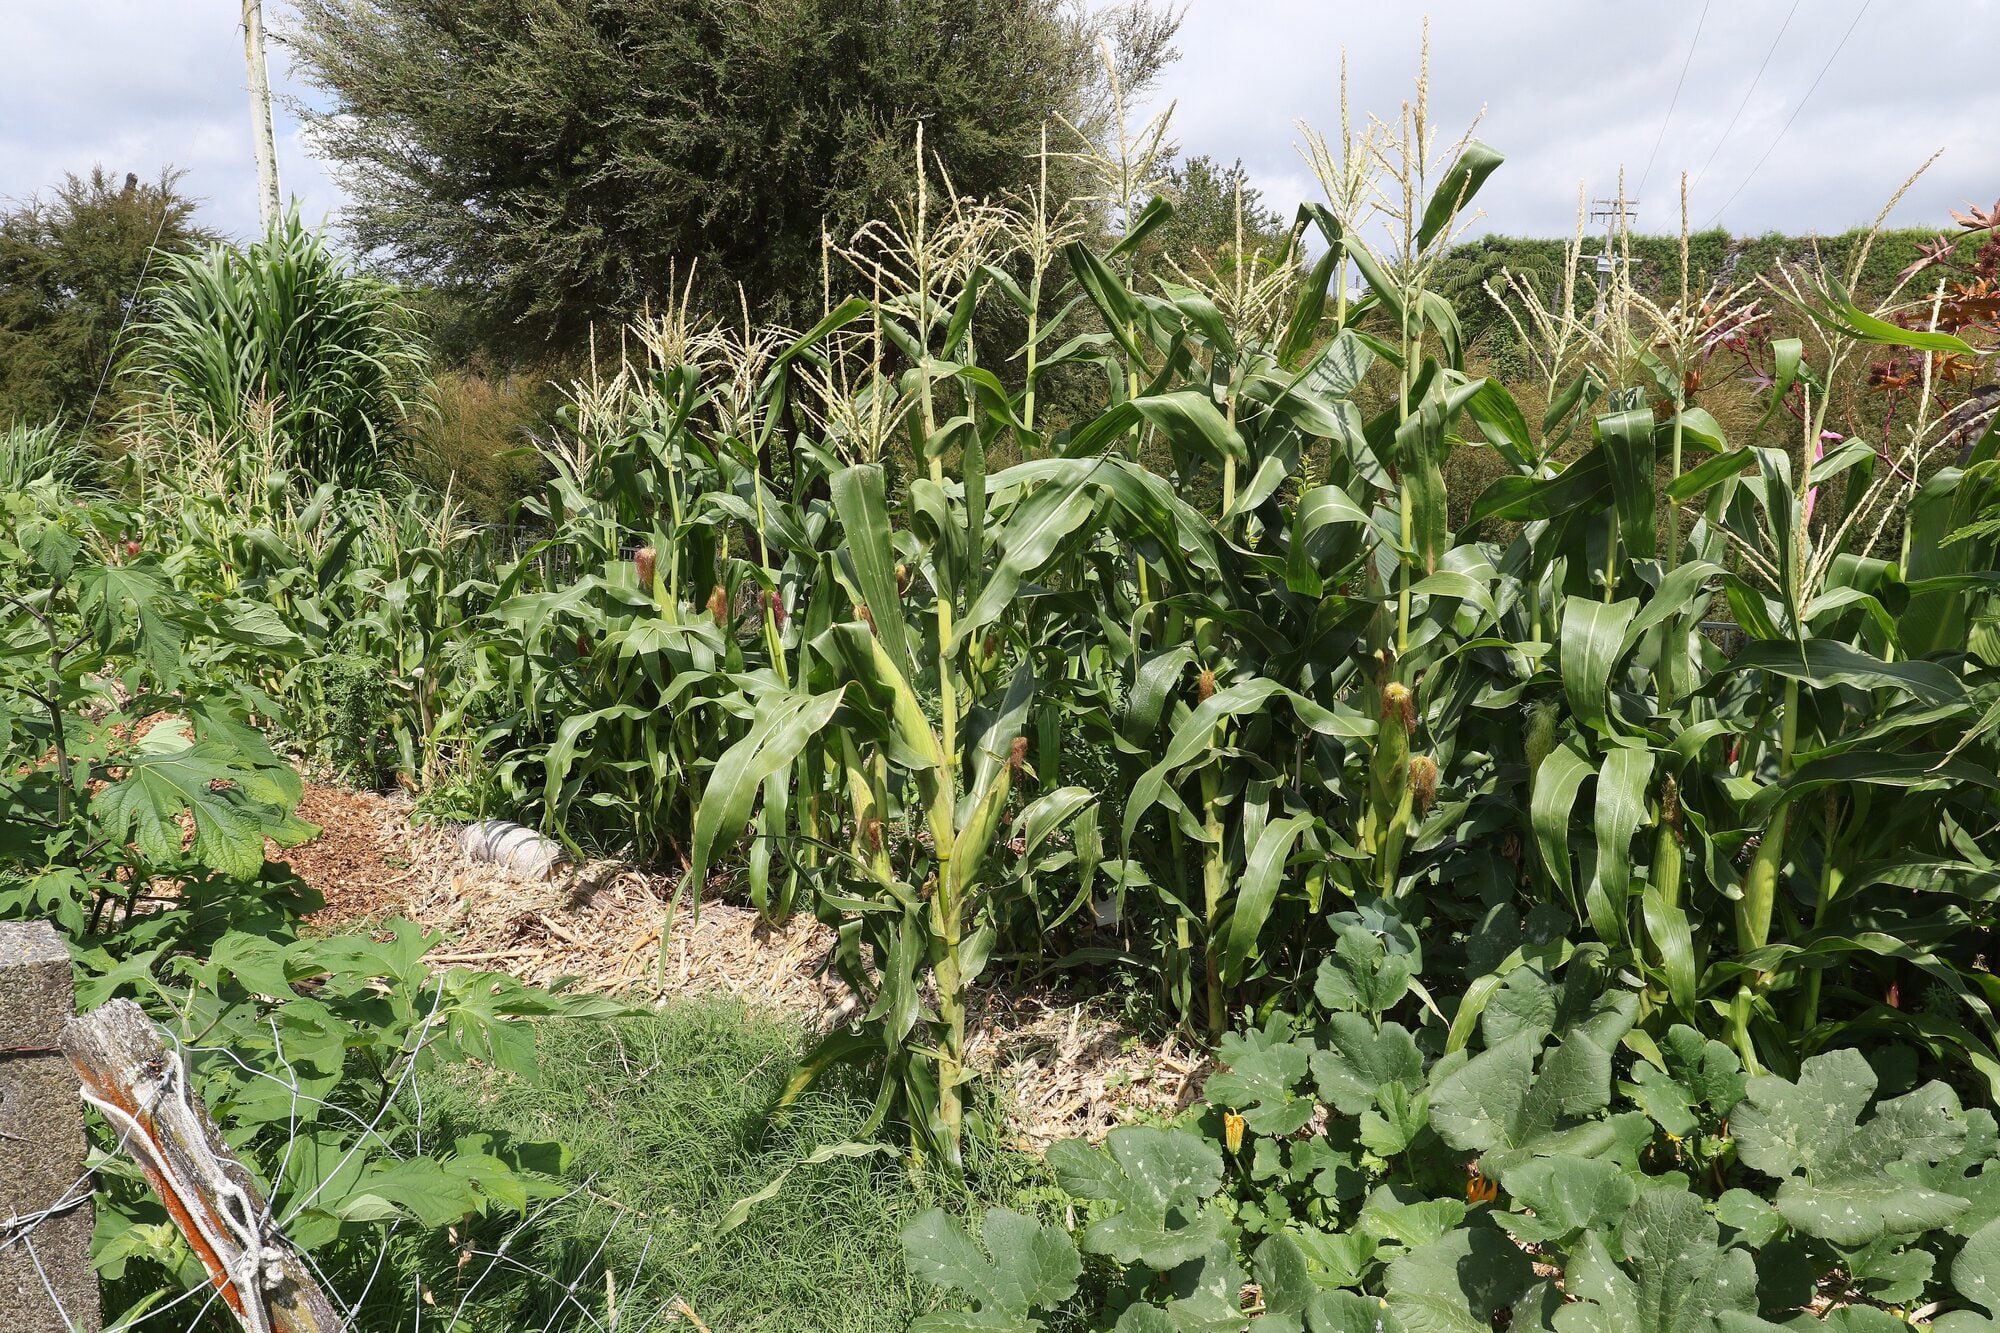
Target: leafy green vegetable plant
(1587, 1206)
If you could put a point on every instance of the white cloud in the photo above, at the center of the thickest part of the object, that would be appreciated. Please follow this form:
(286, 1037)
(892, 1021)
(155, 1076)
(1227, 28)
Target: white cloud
(1573, 89)
(138, 85)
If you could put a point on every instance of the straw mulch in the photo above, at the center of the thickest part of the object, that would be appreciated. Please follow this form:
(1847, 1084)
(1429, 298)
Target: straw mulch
(1062, 1065)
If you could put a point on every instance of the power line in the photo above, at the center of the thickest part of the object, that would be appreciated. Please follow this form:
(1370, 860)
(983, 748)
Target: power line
(1730, 128)
(1859, 14)
(1660, 138)
(131, 308)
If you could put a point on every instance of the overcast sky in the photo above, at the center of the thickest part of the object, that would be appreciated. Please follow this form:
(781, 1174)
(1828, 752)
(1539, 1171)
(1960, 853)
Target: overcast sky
(1571, 89)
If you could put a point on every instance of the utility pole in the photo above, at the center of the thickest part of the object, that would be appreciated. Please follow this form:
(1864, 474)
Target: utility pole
(261, 138)
(1617, 215)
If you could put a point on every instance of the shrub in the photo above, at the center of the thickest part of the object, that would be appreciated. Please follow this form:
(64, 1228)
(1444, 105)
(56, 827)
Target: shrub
(477, 443)
(356, 701)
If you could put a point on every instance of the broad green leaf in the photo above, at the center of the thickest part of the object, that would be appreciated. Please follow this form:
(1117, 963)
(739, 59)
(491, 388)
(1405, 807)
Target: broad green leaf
(131, 605)
(864, 517)
(1205, 1296)
(256, 962)
(1566, 1196)
(1398, 1116)
(1499, 1105)
(169, 776)
(1156, 1181)
(1750, 1215)
(1362, 974)
(1593, 639)
(1283, 1279)
(1349, 1312)
(782, 726)
(1668, 1274)
(1848, 318)
(1972, 1173)
(1583, 997)
(1822, 663)
(1556, 784)
(1400, 1214)
(1338, 1259)
(1261, 1080)
(1456, 1284)
(1359, 1062)
(1846, 1178)
(1257, 891)
(1887, 1272)
(1628, 449)
(1500, 421)
(1027, 1266)
(1621, 809)
(1028, 539)
(1700, 1075)
(1454, 192)
(1975, 1273)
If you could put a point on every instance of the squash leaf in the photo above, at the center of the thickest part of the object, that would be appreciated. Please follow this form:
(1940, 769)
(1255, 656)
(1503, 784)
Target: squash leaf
(1847, 1179)
(1157, 1181)
(1027, 1266)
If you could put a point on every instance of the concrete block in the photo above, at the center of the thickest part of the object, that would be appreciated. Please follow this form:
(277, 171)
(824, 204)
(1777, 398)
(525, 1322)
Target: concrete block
(47, 1282)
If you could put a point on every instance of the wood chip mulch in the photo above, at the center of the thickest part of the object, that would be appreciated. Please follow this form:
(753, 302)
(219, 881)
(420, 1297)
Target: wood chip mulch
(369, 855)
(1063, 1065)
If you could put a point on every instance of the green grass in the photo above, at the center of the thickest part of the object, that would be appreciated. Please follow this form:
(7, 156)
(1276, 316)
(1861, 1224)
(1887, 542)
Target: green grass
(667, 1119)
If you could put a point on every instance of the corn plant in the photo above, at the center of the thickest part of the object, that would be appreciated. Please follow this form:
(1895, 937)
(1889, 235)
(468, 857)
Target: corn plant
(927, 713)
(1749, 766)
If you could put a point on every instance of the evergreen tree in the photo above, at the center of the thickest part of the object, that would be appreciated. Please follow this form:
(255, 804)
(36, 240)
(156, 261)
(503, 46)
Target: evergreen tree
(71, 264)
(554, 164)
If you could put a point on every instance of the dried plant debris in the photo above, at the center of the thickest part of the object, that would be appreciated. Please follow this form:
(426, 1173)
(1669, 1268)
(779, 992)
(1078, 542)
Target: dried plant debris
(1065, 1066)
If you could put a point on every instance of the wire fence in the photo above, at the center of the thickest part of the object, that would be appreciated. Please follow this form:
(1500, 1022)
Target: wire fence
(591, 1296)
(555, 562)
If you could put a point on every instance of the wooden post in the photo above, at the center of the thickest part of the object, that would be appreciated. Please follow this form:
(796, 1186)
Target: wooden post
(46, 1277)
(141, 1087)
(262, 141)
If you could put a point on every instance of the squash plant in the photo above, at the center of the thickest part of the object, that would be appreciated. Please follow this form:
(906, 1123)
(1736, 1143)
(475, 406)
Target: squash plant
(1561, 1172)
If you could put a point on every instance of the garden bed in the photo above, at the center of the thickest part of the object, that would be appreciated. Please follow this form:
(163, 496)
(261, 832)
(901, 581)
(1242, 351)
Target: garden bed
(1065, 1067)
